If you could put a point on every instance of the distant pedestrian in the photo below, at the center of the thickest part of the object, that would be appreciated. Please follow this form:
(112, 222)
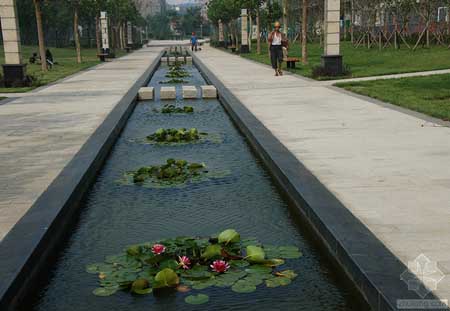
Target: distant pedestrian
(193, 42)
(277, 40)
(49, 58)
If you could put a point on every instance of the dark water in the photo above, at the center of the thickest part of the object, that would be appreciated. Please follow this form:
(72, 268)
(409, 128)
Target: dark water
(117, 215)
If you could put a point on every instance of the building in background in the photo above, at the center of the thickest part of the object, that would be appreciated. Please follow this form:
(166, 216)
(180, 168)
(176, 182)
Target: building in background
(151, 7)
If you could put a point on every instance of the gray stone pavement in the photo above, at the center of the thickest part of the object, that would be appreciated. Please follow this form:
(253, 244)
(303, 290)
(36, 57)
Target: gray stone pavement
(42, 131)
(389, 168)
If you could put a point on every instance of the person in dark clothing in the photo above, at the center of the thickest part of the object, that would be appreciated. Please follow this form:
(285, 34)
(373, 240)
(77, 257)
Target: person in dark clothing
(277, 40)
(49, 55)
(33, 58)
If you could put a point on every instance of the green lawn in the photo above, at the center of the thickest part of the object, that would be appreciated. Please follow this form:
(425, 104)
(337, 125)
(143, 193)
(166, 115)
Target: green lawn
(429, 95)
(67, 65)
(363, 62)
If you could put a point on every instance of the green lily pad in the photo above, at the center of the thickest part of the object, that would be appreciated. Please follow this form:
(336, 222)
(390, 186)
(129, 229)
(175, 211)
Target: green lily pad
(254, 279)
(255, 253)
(212, 251)
(229, 236)
(169, 263)
(278, 281)
(145, 291)
(242, 286)
(273, 262)
(258, 269)
(203, 284)
(197, 299)
(239, 263)
(250, 241)
(141, 286)
(166, 278)
(290, 274)
(104, 291)
(196, 274)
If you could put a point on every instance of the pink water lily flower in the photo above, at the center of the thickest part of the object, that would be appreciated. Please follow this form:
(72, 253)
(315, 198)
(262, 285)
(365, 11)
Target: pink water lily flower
(184, 262)
(158, 249)
(220, 266)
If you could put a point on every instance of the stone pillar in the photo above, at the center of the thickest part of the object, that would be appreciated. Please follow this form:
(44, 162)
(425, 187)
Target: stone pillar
(14, 72)
(129, 34)
(331, 59)
(104, 31)
(244, 31)
(221, 38)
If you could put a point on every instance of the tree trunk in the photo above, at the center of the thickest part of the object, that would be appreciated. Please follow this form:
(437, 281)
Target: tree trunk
(305, 32)
(352, 22)
(258, 32)
(76, 34)
(97, 34)
(37, 9)
(122, 36)
(250, 33)
(285, 20)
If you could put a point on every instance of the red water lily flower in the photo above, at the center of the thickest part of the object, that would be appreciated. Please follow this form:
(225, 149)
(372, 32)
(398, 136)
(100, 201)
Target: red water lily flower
(158, 249)
(184, 262)
(220, 266)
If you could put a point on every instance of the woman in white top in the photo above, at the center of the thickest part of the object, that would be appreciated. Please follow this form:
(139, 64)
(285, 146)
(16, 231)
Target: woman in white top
(277, 40)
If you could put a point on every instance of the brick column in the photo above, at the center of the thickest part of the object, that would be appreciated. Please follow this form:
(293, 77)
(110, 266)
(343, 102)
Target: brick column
(14, 72)
(244, 31)
(331, 59)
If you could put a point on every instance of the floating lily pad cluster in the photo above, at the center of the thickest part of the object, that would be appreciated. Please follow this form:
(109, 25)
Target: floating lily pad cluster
(173, 81)
(177, 71)
(192, 263)
(173, 172)
(172, 135)
(168, 108)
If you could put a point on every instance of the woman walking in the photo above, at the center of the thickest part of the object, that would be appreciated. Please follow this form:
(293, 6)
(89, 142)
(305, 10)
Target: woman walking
(277, 40)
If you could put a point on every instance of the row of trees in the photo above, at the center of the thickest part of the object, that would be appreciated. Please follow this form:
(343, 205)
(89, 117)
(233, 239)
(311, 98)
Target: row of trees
(263, 13)
(370, 23)
(56, 21)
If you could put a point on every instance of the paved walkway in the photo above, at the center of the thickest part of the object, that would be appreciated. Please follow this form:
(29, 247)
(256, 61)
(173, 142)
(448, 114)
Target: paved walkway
(393, 76)
(389, 168)
(40, 134)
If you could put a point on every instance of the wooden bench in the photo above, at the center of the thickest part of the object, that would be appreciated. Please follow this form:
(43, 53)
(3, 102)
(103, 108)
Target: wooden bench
(290, 62)
(102, 56)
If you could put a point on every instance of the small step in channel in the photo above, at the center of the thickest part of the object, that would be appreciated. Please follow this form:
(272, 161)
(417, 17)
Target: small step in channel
(118, 212)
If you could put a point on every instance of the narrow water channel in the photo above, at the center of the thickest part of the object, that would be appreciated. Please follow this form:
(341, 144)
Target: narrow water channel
(117, 215)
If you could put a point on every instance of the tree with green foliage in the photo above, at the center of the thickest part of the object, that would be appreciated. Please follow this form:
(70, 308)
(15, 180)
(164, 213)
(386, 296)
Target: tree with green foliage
(190, 21)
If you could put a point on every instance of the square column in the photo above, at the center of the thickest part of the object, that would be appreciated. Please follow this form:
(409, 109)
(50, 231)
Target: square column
(221, 38)
(14, 72)
(129, 33)
(244, 31)
(332, 60)
(104, 32)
